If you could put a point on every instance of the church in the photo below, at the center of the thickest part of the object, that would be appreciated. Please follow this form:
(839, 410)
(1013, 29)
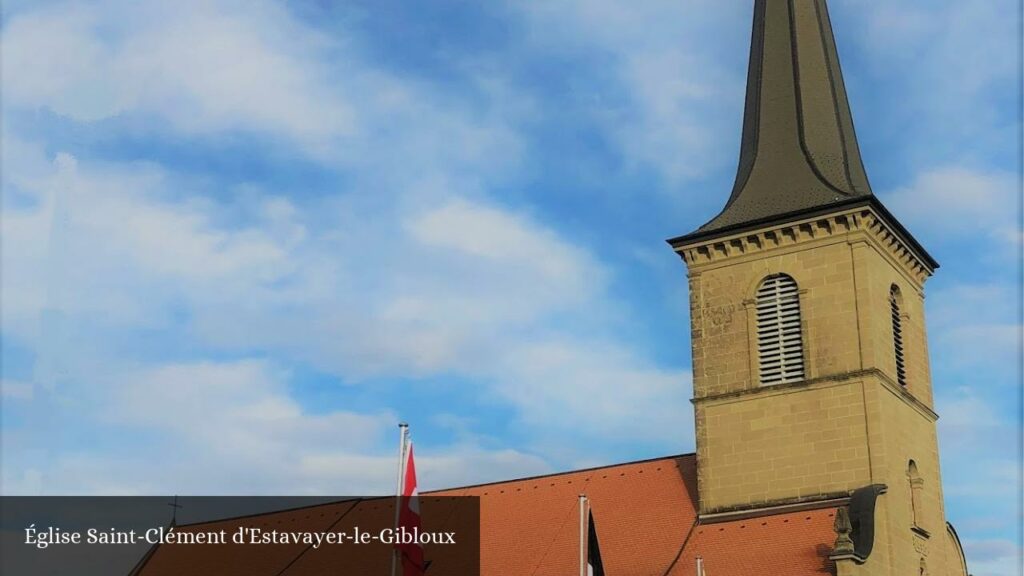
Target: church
(816, 442)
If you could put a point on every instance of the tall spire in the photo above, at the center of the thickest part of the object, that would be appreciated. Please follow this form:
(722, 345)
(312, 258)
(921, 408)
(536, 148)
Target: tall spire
(799, 149)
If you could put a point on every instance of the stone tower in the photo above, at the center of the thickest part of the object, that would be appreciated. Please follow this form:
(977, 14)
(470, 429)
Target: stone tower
(811, 373)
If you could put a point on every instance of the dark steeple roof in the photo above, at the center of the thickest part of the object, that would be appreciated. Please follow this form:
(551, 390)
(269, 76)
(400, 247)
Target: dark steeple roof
(799, 150)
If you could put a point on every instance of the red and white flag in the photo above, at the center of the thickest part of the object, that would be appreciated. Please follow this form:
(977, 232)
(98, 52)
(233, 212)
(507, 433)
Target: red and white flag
(409, 521)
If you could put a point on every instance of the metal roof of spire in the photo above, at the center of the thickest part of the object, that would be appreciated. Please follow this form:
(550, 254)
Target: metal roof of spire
(799, 149)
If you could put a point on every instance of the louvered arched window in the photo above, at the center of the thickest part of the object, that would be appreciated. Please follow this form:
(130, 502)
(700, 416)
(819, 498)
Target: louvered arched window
(780, 346)
(895, 300)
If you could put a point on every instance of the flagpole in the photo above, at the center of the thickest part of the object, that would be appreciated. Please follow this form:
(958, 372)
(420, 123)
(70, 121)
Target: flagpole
(583, 535)
(402, 442)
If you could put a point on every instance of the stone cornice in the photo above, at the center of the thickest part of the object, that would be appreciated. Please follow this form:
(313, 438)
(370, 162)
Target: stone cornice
(864, 221)
(779, 506)
(902, 393)
(784, 506)
(825, 382)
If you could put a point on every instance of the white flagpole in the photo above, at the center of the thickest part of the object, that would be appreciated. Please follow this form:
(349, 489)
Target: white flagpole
(700, 566)
(402, 444)
(583, 535)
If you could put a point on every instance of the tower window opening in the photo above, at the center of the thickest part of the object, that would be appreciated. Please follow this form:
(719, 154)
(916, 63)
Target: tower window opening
(897, 335)
(780, 345)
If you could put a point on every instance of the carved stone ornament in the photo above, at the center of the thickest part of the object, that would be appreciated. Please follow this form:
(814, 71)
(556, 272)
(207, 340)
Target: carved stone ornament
(843, 528)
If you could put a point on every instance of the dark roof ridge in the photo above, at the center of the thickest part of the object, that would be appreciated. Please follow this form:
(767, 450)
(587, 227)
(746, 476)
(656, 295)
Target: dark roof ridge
(562, 473)
(354, 500)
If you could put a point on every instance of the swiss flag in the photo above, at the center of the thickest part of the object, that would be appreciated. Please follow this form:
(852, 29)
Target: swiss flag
(409, 521)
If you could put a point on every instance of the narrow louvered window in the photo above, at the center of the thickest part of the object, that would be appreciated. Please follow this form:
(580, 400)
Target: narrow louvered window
(780, 345)
(897, 335)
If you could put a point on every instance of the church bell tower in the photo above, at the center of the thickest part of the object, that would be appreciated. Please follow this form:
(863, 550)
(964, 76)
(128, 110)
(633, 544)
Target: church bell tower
(811, 373)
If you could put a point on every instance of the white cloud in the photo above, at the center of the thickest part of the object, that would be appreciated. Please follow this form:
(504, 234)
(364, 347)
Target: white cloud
(239, 409)
(988, 479)
(974, 326)
(323, 283)
(955, 89)
(995, 346)
(457, 466)
(594, 387)
(233, 427)
(679, 99)
(56, 62)
(204, 67)
(450, 289)
(233, 70)
(491, 234)
(15, 390)
(990, 550)
(102, 241)
(993, 557)
(971, 424)
(954, 202)
(407, 273)
(511, 258)
(980, 474)
(965, 302)
(136, 242)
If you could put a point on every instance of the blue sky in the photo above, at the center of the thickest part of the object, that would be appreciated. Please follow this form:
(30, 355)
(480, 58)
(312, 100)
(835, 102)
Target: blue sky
(241, 240)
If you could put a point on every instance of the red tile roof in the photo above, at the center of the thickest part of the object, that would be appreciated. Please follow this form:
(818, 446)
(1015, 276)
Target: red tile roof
(642, 510)
(646, 519)
(795, 544)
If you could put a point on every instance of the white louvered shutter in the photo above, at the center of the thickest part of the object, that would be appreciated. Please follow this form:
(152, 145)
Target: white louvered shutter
(897, 335)
(780, 345)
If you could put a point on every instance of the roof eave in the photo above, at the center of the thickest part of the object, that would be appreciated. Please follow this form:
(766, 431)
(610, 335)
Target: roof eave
(869, 200)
